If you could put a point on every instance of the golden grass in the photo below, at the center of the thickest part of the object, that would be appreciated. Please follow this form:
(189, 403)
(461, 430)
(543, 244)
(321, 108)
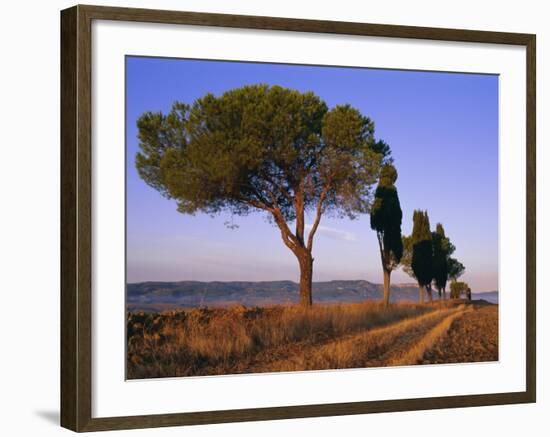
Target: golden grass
(281, 338)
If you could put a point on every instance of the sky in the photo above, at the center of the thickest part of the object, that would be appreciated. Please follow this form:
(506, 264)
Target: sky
(443, 132)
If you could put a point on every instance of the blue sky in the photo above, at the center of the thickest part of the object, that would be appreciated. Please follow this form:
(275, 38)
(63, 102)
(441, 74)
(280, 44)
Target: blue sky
(443, 131)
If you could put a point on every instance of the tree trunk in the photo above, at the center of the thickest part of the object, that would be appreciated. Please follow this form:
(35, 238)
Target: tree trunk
(444, 294)
(429, 290)
(439, 292)
(306, 275)
(421, 289)
(387, 274)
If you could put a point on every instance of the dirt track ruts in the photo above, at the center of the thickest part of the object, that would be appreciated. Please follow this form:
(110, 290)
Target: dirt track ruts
(471, 338)
(397, 344)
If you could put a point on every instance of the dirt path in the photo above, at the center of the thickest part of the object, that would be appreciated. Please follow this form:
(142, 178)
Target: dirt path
(473, 337)
(417, 347)
(401, 343)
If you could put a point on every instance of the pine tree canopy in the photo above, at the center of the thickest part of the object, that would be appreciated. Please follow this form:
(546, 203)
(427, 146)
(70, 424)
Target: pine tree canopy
(261, 147)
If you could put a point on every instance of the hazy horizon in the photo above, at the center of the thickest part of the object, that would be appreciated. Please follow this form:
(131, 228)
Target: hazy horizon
(443, 131)
(393, 284)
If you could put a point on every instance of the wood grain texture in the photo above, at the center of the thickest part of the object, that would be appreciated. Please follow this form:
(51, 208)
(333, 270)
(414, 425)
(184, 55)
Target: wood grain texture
(301, 25)
(76, 221)
(531, 217)
(69, 371)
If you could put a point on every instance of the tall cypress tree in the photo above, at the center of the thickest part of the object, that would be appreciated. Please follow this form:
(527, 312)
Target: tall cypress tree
(422, 253)
(385, 219)
(442, 250)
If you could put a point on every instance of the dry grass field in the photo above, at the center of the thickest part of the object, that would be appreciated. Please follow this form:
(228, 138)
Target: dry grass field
(289, 338)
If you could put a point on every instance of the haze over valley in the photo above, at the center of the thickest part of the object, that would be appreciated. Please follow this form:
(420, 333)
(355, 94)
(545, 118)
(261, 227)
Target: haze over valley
(160, 296)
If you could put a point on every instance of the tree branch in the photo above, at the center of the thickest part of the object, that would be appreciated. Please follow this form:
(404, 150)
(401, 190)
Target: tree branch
(277, 183)
(318, 214)
(299, 207)
(288, 237)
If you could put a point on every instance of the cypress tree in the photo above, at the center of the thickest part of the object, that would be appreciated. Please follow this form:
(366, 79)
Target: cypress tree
(442, 249)
(385, 219)
(422, 253)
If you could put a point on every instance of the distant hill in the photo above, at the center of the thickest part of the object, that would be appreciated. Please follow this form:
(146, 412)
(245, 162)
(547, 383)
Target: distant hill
(489, 296)
(157, 296)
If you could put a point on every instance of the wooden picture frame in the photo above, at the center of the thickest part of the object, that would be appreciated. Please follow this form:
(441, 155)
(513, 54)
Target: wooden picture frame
(76, 218)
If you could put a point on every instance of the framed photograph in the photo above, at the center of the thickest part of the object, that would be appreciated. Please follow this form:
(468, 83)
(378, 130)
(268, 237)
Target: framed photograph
(268, 218)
